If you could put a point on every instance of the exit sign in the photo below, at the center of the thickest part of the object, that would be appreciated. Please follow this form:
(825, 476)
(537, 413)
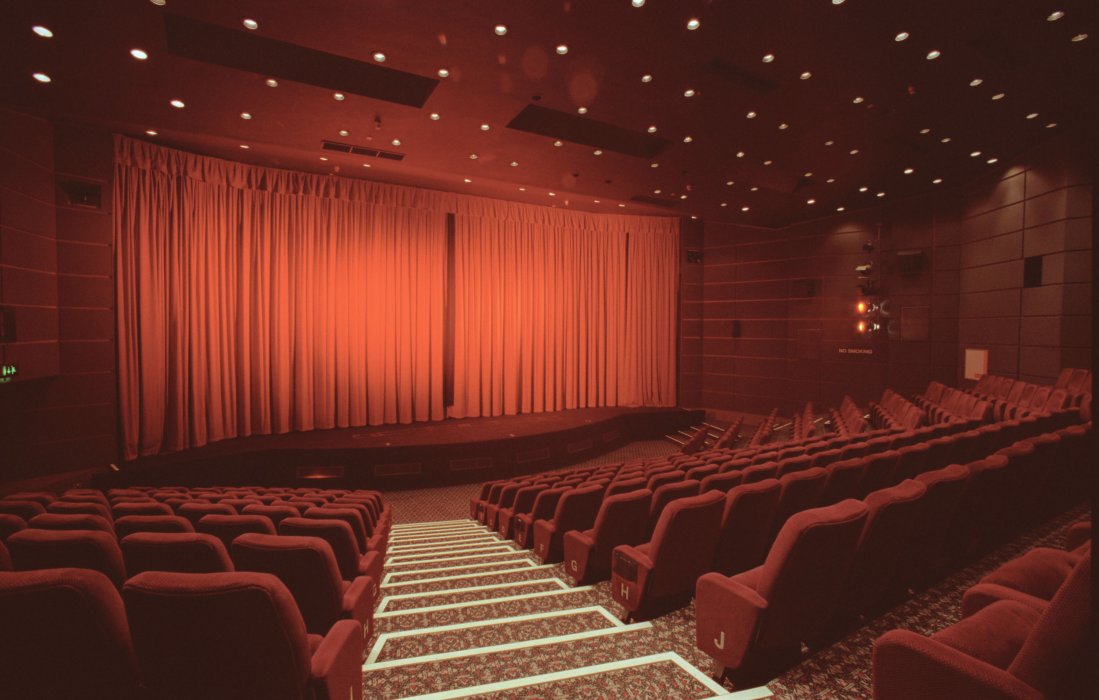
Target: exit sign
(7, 373)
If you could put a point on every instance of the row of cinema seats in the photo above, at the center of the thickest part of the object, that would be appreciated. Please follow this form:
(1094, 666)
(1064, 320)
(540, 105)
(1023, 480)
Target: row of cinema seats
(943, 403)
(310, 582)
(1023, 633)
(895, 411)
(848, 420)
(804, 423)
(764, 430)
(1012, 397)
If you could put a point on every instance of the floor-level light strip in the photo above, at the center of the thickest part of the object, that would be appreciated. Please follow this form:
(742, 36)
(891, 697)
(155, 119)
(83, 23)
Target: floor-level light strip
(491, 587)
(749, 694)
(508, 553)
(441, 531)
(510, 646)
(477, 603)
(573, 673)
(383, 638)
(458, 577)
(431, 523)
(508, 563)
(440, 538)
(420, 556)
(425, 546)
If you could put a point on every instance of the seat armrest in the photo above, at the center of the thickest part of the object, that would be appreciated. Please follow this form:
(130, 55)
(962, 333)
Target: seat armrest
(371, 565)
(981, 595)
(358, 602)
(910, 666)
(634, 555)
(336, 666)
(727, 614)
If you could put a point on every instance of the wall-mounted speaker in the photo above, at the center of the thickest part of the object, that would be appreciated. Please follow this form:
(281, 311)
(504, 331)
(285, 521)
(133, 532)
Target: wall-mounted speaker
(736, 329)
(7, 325)
(1032, 271)
(81, 194)
(909, 262)
(694, 255)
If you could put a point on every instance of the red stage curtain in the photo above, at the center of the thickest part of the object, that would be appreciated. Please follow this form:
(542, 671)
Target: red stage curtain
(255, 301)
(558, 310)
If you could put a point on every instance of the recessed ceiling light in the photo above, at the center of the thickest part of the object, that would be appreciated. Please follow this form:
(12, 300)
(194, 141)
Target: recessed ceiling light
(864, 188)
(597, 152)
(623, 206)
(43, 78)
(1051, 125)
(937, 181)
(740, 154)
(581, 110)
(178, 104)
(271, 82)
(379, 57)
(682, 196)
(485, 127)
(396, 142)
(974, 154)
(901, 36)
(693, 24)
(324, 157)
(558, 144)
(646, 78)
(688, 93)
(729, 183)
(444, 73)
(933, 54)
(338, 96)
(1054, 16)
(810, 201)
(515, 164)
(751, 115)
(1032, 115)
(250, 24)
(768, 162)
(767, 58)
(41, 31)
(562, 49)
(1079, 37)
(998, 96)
(744, 208)
(857, 100)
(466, 180)
(829, 143)
(654, 165)
(522, 189)
(975, 82)
(830, 180)
(783, 126)
(139, 54)
(754, 189)
(159, 3)
(500, 29)
(806, 75)
(248, 115)
(881, 194)
(637, 3)
(651, 129)
(344, 132)
(724, 204)
(945, 139)
(992, 160)
(854, 151)
(151, 132)
(434, 116)
(841, 208)
(687, 139)
(925, 130)
(909, 171)
(367, 165)
(552, 194)
(245, 146)
(808, 175)
(838, 2)
(473, 156)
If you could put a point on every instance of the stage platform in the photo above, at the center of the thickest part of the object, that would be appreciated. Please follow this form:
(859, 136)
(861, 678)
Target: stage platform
(452, 451)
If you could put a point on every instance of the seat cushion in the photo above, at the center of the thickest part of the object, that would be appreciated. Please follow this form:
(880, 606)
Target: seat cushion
(993, 635)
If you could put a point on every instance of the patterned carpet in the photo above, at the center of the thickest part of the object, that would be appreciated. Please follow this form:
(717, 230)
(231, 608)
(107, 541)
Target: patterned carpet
(465, 614)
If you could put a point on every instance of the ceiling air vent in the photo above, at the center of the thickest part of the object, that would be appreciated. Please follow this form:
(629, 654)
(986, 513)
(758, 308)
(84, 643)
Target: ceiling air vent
(570, 127)
(360, 150)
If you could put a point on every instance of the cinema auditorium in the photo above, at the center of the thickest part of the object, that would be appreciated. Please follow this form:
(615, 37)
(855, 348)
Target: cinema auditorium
(547, 349)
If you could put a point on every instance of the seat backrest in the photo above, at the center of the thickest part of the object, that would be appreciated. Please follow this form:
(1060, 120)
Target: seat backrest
(577, 508)
(507, 494)
(803, 574)
(669, 477)
(187, 626)
(181, 552)
(10, 524)
(196, 511)
(524, 498)
(890, 521)
(71, 521)
(43, 498)
(745, 531)
(1061, 634)
(305, 565)
(349, 515)
(545, 505)
(5, 557)
(276, 513)
(81, 508)
(668, 493)
(722, 481)
(336, 533)
(622, 519)
(683, 541)
(624, 486)
(119, 510)
(842, 480)
(800, 491)
(22, 509)
(65, 634)
(228, 527)
(129, 524)
(795, 464)
(33, 549)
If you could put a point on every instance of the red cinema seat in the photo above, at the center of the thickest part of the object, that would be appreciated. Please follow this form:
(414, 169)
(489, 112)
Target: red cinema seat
(276, 514)
(885, 541)
(758, 619)
(43, 498)
(352, 517)
(475, 504)
(492, 499)
(842, 480)
(800, 491)
(760, 472)
(197, 511)
(545, 505)
(21, 509)
(308, 569)
(668, 493)
(880, 472)
(622, 519)
(129, 524)
(983, 512)
(236, 635)
(81, 508)
(934, 523)
(524, 503)
(721, 481)
(120, 510)
(662, 572)
(1008, 650)
(575, 511)
(229, 527)
(181, 552)
(5, 557)
(746, 525)
(794, 464)
(10, 524)
(700, 473)
(507, 498)
(1032, 578)
(913, 461)
(670, 477)
(624, 486)
(352, 562)
(64, 521)
(65, 635)
(85, 496)
(33, 549)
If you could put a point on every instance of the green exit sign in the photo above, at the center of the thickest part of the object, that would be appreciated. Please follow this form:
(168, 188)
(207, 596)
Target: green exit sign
(7, 373)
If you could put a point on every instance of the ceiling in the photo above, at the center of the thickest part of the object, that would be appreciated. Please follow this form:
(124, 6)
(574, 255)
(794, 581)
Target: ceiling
(843, 105)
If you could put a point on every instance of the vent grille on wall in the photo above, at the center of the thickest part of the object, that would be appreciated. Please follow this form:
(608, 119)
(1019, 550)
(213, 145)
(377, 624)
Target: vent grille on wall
(360, 150)
(570, 127)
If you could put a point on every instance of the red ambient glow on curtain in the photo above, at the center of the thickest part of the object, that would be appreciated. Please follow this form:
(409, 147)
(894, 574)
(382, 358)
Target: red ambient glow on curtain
(255, 301)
